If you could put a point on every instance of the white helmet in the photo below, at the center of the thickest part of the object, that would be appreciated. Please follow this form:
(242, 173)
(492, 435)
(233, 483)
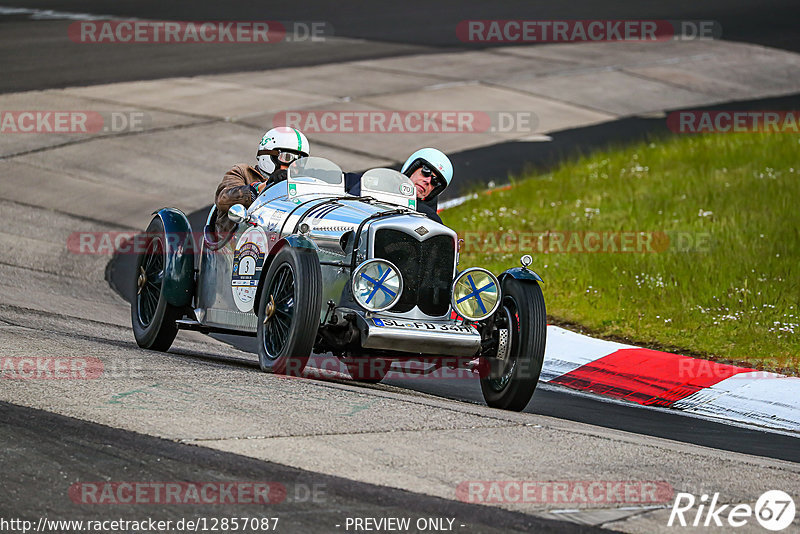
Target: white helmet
(437, 162)
(281, 146)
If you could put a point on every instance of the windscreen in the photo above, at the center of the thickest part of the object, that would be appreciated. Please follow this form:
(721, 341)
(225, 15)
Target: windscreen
(318, 168)
(390, 186)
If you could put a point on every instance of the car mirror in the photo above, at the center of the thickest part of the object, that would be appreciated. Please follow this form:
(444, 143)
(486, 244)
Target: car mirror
(237, 214)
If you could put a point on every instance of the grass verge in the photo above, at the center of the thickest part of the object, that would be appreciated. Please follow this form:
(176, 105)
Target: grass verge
(690, 244)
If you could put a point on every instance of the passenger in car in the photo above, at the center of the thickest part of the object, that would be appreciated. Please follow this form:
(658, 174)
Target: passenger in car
(431, 172)
(243, 183)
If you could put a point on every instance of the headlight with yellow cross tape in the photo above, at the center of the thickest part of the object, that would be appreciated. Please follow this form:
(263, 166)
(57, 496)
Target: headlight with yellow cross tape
(476, 294)
(377, 285)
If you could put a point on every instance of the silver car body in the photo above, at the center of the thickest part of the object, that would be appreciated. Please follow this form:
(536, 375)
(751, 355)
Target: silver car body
(312, 204)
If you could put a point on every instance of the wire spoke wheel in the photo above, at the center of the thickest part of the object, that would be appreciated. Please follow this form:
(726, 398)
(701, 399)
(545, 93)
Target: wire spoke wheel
(278, 325)
(289, 311)
(150, 280)
(152, 317)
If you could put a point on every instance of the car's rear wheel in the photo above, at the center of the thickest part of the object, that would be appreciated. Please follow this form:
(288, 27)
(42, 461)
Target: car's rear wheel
(509, 384)
(289, 311)
(153, 319)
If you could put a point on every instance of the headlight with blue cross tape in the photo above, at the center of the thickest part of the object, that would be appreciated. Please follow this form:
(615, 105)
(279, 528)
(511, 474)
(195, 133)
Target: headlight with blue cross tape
(476, 294)
(377, 285)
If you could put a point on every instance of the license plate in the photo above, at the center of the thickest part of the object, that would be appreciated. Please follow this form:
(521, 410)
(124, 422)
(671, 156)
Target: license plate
(423, 326)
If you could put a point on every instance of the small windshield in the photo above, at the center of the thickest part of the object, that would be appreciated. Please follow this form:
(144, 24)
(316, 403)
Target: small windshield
(388, 185)
(317, 168)
(387, 181)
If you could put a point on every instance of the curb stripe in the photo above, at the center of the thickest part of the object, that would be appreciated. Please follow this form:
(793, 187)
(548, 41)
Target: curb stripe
(654, 378)
(647, 377)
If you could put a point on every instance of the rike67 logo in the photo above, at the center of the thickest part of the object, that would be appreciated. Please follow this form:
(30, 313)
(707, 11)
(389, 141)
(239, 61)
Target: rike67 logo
(774, 510)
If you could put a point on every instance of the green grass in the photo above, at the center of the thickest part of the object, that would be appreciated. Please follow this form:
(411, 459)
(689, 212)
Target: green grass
(725, 285)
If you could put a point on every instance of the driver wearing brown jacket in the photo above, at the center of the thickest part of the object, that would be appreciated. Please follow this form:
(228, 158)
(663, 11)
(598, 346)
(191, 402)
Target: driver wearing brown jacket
(242, 183)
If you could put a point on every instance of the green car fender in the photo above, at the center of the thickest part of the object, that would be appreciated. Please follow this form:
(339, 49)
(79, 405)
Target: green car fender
(519, 273)
(179, 262)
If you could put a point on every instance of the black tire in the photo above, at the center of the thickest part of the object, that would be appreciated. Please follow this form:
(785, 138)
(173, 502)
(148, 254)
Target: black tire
(152, 317)
(510, 385)
(286, 338)
(367, 370)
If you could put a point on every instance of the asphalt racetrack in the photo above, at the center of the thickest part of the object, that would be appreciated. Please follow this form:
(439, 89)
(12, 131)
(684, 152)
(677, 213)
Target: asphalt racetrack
(218, 418)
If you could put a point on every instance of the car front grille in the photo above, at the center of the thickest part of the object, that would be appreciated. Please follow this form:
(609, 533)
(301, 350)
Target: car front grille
(426, 266)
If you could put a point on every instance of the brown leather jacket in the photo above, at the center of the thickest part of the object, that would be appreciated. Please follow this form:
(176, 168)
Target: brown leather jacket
(235, 189)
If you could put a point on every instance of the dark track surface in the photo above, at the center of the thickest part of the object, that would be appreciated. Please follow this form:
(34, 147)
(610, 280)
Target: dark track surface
(40, 465)
(37, 54)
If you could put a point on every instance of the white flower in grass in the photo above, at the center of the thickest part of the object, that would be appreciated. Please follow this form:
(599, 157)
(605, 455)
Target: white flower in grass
(590, 212)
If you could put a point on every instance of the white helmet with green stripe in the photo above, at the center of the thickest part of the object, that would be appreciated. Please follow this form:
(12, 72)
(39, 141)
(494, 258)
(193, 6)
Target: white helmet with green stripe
(281, 146)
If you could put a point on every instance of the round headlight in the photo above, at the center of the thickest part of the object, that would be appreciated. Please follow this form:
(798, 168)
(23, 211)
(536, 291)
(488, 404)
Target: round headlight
(377, 285)
(476, 294)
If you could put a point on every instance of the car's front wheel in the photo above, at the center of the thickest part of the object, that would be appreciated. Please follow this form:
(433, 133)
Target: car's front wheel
(509, 383)
(289, 311)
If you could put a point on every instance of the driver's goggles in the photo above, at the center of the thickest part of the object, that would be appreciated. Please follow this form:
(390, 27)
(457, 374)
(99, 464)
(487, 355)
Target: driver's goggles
(281, 155)
(427, 172)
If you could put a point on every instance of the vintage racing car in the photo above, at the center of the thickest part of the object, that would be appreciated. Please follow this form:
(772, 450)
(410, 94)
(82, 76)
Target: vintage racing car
(311, 269)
